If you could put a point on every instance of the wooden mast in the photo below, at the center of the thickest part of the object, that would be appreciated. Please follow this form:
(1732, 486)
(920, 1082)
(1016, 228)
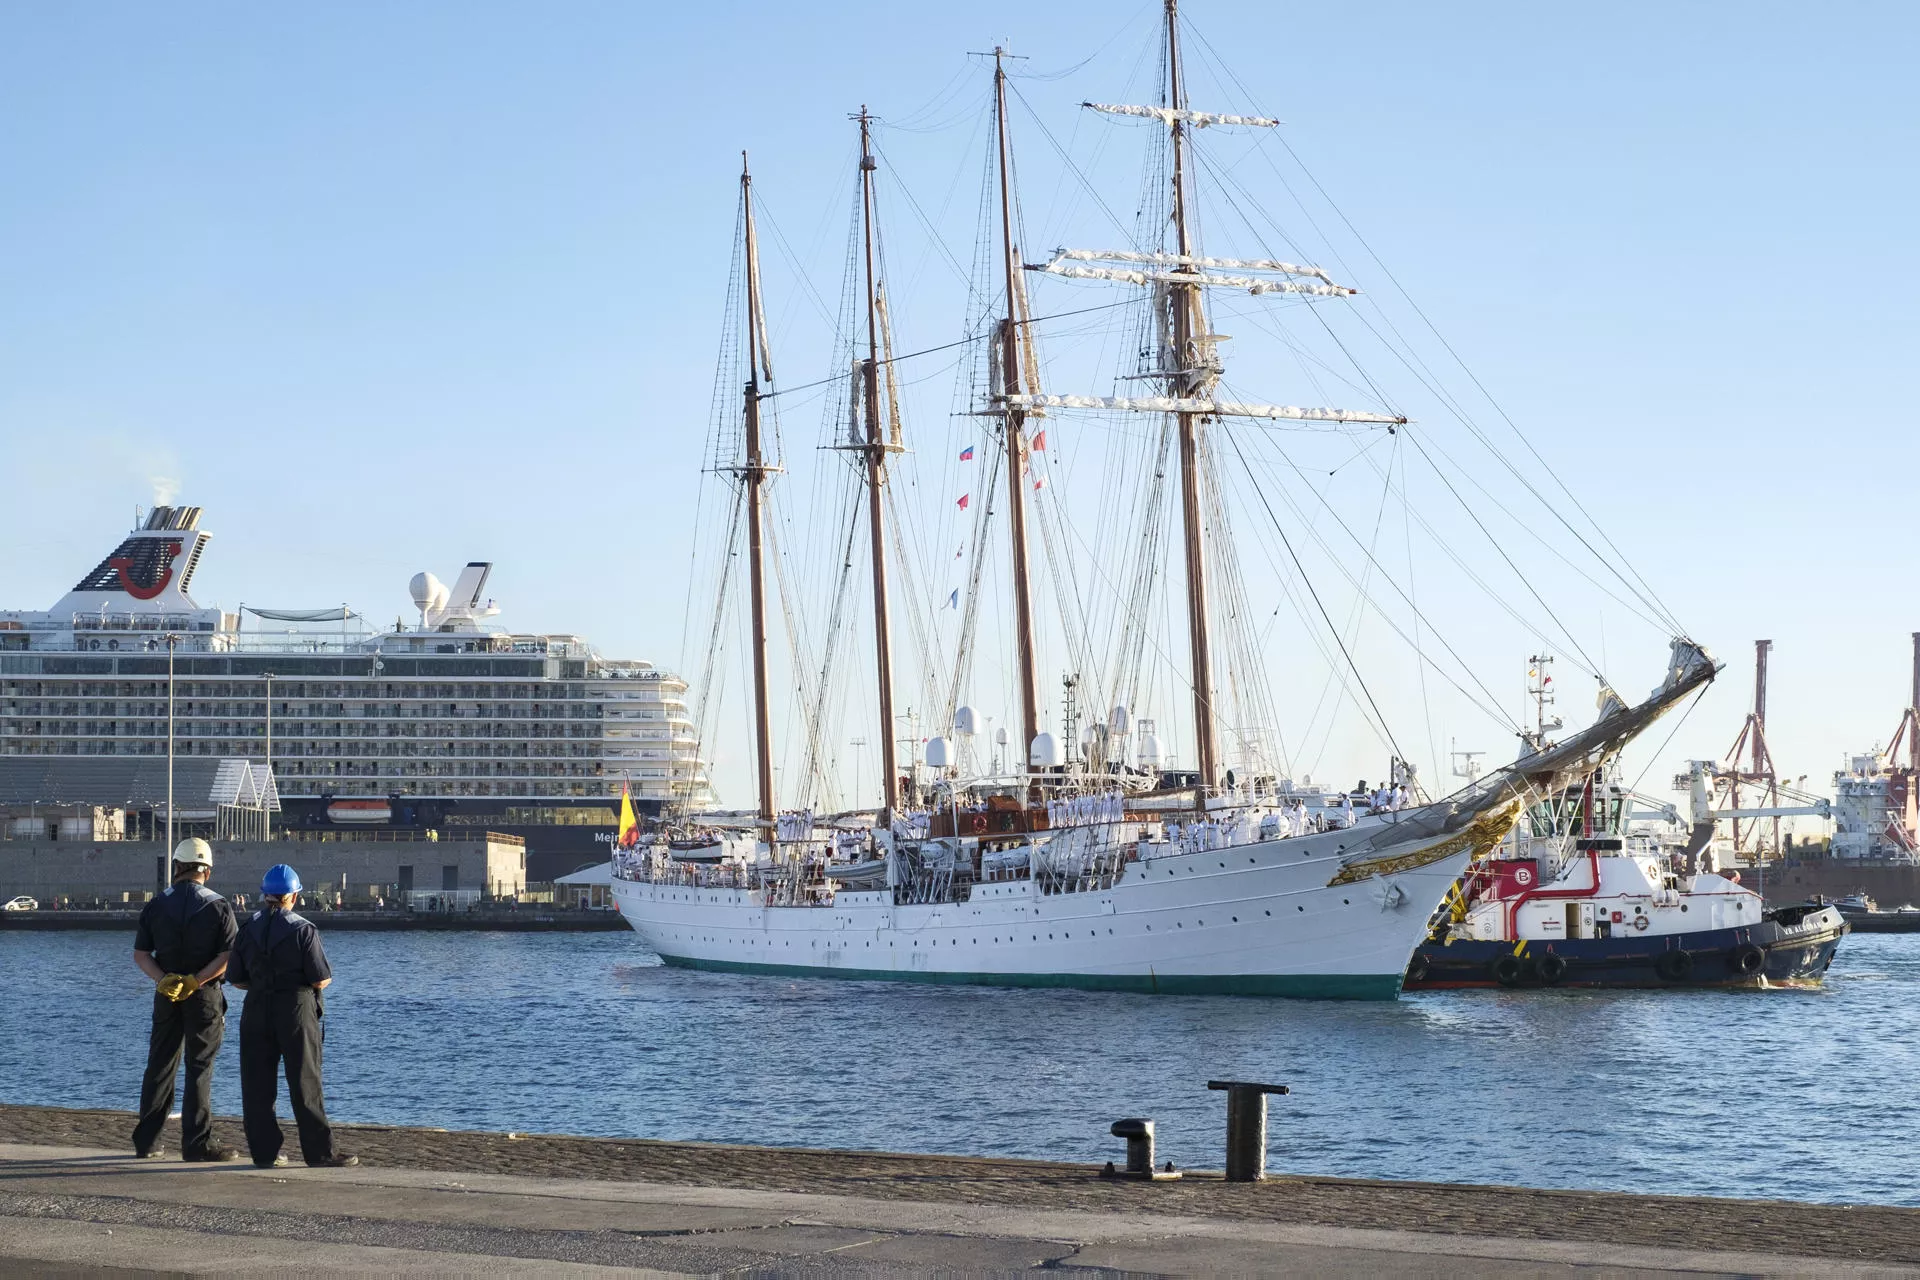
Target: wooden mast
(754, 475)
(876, 452)
(1184, 301)
(1016, 434)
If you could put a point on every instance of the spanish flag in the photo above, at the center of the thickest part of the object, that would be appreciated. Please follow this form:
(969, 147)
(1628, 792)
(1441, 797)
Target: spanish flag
(629, 825)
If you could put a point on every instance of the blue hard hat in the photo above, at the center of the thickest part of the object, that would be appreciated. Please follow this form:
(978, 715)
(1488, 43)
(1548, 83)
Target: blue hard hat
(280, 880)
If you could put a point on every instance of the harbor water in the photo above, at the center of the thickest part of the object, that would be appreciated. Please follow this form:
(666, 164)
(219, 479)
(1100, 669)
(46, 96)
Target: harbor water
(1789, 1094)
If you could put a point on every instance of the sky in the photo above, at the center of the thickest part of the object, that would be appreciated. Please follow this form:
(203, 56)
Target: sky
(389, 288)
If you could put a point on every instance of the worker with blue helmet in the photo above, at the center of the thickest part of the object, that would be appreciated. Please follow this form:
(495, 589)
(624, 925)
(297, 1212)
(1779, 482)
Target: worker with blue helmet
(279, 962)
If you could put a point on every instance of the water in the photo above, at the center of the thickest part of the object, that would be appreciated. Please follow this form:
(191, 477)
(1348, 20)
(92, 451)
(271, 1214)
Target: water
(1796, 1094)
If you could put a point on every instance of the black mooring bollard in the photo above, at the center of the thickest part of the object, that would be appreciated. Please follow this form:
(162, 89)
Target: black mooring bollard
(1139, 1136)
(1246, 1127)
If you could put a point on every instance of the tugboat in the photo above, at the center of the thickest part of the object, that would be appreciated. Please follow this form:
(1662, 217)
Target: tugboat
(1578, 897)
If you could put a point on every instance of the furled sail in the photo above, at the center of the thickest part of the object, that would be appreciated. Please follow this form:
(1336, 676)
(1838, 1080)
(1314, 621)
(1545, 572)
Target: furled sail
(1252, 284)
(1191, 404)
(1190, 260)
(1168, 115)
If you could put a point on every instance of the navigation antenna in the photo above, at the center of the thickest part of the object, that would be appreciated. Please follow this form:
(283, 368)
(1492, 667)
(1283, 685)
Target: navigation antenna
(1540, 689)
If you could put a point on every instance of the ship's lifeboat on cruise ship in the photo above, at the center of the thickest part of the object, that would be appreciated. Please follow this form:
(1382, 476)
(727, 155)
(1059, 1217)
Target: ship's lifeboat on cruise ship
(359, 811)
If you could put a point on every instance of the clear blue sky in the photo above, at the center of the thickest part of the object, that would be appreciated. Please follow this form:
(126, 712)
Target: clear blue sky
(390, 287)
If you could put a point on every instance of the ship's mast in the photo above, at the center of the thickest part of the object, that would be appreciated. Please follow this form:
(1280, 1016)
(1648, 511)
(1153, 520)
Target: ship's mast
(754, 475)
(876, 452)
(1183, 299)
(1015, 421)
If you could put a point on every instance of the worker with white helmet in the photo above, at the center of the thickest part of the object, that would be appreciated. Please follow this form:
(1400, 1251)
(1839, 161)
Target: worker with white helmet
(182, 943)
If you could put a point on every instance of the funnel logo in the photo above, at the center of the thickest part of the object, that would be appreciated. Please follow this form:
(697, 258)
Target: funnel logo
(158, 567)
(1523, 876)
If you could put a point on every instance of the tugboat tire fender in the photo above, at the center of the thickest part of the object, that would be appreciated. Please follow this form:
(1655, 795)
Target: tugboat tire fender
(1550, 968)
(1674, 966)
(1507, 969)
(1746, 959)
(1418, 970)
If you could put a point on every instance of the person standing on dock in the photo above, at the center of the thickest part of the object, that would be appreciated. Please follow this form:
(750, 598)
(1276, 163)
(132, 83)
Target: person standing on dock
(182, 943)
(279, 962)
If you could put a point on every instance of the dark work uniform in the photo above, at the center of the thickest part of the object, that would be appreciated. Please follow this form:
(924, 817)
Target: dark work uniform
(184, 928)
(279, 958)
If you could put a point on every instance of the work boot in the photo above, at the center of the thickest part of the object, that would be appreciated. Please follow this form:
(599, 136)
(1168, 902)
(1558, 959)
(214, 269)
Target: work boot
(212, 1155)
(335, 1161)
(278, 1162)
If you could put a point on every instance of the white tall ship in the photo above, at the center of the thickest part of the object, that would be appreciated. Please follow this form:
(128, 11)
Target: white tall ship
(1087, 873)
(451, 717)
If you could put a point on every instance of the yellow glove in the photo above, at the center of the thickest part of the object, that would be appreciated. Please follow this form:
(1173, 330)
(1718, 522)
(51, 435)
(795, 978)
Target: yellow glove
(178, 986)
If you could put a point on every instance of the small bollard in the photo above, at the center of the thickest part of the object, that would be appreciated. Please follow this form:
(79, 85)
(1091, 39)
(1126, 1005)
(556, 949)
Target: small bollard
(1246, 1127)
(1139, 1136)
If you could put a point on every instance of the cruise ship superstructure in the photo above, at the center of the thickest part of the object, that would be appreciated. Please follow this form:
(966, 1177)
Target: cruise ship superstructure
(450, 717)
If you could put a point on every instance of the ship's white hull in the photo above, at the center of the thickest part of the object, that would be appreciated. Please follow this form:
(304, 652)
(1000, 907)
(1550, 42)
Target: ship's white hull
(1268, 918)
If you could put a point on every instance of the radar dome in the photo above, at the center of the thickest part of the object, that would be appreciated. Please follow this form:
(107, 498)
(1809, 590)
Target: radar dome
(423, 588)
(1152, 754)
(937, 753)
(965, 722)
(1045, 753)
(1118, 722)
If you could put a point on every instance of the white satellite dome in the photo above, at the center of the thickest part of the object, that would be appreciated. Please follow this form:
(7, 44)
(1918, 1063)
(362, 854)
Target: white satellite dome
(1000, 735)
(1045, 753)
(966, 722)
(937, 753)
(424, 588)
(1118, 722)
(1152, 754)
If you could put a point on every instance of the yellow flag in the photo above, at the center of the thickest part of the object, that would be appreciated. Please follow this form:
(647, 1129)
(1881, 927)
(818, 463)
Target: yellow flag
(629, 825)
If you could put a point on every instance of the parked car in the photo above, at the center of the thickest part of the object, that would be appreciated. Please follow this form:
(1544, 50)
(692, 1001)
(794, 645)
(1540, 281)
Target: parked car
(21, 903)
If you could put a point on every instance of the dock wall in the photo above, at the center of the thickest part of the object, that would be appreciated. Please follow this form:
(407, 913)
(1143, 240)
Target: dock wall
(125, 871)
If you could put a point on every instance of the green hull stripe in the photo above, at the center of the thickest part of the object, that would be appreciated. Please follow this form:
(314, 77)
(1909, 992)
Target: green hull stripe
(1305, 986)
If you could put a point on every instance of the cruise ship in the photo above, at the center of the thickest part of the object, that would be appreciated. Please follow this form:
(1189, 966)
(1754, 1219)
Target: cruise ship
(451, 721)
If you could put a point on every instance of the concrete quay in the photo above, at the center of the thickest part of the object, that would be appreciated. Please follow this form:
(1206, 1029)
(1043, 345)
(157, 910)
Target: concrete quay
(73, 1200)
(531, 918)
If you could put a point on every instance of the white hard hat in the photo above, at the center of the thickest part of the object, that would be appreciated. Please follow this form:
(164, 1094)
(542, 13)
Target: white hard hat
(193, 852)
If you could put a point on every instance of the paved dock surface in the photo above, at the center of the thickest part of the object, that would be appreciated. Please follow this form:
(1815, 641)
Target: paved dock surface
(68, 1207)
